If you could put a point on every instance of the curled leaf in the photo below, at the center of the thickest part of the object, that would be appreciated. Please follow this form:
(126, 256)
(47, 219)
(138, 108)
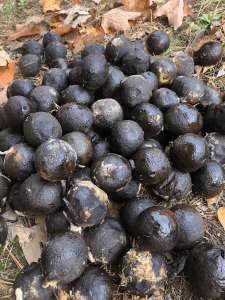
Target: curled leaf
(117, 19)
(51, 5)
(3, 90)
(173, 9)
(221, 216)
(139, 6)
(7, 68)
(30, 27)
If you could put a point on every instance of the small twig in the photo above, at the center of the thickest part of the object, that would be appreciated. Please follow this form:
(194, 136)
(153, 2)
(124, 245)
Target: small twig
(6, 279)
(29, 223)
(19, 265)
(55, 293)
(8, 257)
(25, 221)
(6, 282)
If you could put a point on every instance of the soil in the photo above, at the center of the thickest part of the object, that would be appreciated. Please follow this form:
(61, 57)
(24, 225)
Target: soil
(15, 12)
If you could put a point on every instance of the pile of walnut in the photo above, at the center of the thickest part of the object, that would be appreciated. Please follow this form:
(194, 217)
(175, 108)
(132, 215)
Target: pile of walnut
(96, 129)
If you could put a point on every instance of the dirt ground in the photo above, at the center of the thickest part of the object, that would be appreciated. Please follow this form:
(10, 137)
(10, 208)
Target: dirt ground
(14, 12)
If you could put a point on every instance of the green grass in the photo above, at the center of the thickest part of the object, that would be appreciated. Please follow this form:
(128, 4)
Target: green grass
(23, 4)
(6, 261)
(205, 20)
(3, 292)
(10, 8)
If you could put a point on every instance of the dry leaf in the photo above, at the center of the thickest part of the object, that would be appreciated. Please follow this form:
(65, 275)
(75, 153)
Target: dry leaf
(23, 31)
(90, 19)
(51, 5)
(135, 5)
(187, 9)
(68, 16)
(58, 17)
(198, 69)
(10, 215)
(30, 239)
(221, 216)
(28, 28)
(117, 19)
(7, 68)
(97, 1)
(205, 69)
(139, 6)
(174, 12)
(60, 28)
(212, 201)
(4, 58)
(80, 20)
(79, 45)
(216, 23)
(40, 219)
(66, 20)
(89, 35)
(158, 295)
(3, 90)
(64, 295)
(194, 44)
(92, 35)
(221, 72)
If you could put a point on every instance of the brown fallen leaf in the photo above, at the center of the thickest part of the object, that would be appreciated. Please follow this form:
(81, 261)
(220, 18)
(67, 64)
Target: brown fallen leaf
(3, 90)
(198, 70)
(40, 219)
(221, 216)
(92, 35)
(79, 45)
(89, 35)
(74, 16)
(30, 27)
(4, 58)
(142, 6)
(64, 295)
(135, 5)
(212, 201)
(51, 5)
(7, 69)
(117, 19)
(205, 69)
(60, 28)
(23, 31)
(187, 9)
(194, 44)
(174, 12)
